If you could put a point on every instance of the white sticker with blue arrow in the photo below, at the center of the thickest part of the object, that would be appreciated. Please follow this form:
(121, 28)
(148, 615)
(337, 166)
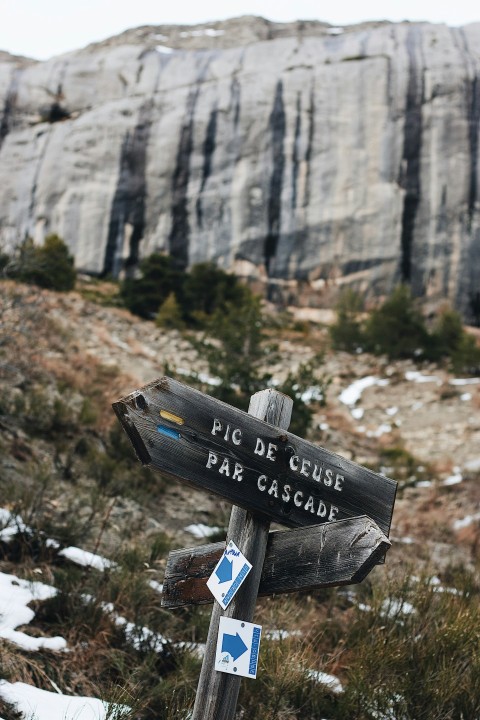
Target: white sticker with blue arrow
(230, 572)
(237, 647)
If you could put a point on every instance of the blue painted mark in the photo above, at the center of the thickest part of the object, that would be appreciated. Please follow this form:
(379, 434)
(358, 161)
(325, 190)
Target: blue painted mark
(168, 432)
(233, 645)
(224, 571)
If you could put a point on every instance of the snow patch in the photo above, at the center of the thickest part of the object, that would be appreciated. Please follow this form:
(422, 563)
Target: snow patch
(312, 394)
(203, 377)
(393, 607)
(353, 392)
(200, 531)
(466, 521)
(156, 586)
(381, 430)
(164, 49)
(44, 705)
(391, 411)
(86, 559)
(390, 608)
(389, 713)
(15, 595)
(282, 634)
(464, 381)
(418, 377)
(12, 525)
(358, 413)
(332, 682)
(453, 479)
(195, 649)
(436, 585)
(473, 465)
(139, 637)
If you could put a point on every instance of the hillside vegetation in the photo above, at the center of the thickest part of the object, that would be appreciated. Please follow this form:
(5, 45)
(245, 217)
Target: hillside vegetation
(404, 644)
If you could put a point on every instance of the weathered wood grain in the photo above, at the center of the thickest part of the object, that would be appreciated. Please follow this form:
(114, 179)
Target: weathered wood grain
(278, 484)
(332, 554)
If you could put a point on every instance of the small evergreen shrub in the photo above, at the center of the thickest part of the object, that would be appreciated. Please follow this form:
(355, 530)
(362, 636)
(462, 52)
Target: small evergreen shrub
(450, 340)
(49, 265)
(4, 260)
(176, 298)
(397, 328)
(447, 333)
(465, 358)
(347, 332)
(234, 350)
(209, 289)
(237, 349)
(143, 295)
(170, 314)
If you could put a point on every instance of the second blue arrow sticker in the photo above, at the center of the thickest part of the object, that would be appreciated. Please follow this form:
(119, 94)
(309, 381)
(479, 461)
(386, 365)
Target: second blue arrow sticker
(237, 647)
(230, 571)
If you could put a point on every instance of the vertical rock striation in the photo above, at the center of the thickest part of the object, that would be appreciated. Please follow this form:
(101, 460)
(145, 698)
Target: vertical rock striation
(301, 156)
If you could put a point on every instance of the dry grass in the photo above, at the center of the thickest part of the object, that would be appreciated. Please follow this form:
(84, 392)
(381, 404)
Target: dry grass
(72, 471)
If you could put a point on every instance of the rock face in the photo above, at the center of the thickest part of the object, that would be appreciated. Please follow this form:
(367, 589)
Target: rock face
(302, 156)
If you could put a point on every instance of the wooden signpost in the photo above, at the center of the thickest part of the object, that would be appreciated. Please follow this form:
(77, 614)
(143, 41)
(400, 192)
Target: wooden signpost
(269, 474)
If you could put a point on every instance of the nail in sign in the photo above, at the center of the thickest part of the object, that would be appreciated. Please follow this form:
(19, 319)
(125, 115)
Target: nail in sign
(237, 647)
(229, 573)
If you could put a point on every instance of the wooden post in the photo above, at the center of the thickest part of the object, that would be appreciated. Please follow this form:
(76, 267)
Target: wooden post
(217, 692)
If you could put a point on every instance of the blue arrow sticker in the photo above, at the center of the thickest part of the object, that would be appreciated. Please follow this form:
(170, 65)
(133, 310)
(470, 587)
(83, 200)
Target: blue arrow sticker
(238, 645)
(224, 570)
(234, 645)
(229, 573)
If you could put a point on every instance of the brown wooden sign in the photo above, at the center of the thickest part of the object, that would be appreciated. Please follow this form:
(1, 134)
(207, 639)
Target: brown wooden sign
(193, 437)
(337, 553)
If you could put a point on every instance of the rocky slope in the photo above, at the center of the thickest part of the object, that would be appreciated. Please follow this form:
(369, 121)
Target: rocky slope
(85, 531)
(420, 427)
(299, 155)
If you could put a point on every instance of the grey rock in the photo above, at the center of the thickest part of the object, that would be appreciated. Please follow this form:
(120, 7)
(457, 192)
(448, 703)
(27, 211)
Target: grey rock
(301, 156)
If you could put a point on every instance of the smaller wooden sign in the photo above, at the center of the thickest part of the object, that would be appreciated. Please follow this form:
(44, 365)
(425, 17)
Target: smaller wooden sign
(337, 553)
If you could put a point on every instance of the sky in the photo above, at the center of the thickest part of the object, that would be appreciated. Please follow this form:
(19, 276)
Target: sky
(43, 28)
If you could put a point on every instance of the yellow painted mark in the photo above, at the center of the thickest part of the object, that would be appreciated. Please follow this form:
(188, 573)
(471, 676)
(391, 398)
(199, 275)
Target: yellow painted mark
(170, 416)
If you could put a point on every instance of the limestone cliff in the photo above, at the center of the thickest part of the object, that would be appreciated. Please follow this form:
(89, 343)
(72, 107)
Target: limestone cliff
(300, 155)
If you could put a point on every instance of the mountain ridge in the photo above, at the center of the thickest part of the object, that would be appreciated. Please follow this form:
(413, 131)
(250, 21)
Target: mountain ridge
(303, 163)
